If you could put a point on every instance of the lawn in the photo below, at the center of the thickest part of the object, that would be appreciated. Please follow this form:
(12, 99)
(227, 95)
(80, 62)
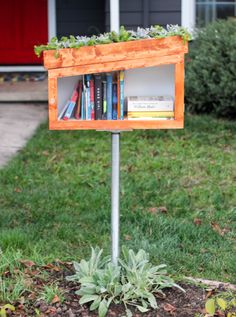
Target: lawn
(178, 197)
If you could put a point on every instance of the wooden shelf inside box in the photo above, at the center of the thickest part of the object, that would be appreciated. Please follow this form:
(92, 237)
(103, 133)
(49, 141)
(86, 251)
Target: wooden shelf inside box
(147, 55)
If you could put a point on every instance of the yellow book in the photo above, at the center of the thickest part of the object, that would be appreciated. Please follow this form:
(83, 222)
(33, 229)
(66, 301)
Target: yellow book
(153, 114)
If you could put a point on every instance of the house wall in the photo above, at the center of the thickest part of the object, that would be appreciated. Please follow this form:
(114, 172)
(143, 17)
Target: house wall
(93, 16)
(144, 13)
(75, 17)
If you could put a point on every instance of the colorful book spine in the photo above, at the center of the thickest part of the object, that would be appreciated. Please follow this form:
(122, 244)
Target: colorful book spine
(114, 101)
(74, 95)
(104, 100)
(109, 96)
(72, 103)
(82, 107)
(122, 98)
(84, 100)
(92, 99)
(118, 95)
(88, 106)
(151, 114)
(98, 96)
(69, 110)
(62, 113)
(78, 107)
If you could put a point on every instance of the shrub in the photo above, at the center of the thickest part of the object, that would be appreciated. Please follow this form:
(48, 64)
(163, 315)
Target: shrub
(211, 70)
(132, 282)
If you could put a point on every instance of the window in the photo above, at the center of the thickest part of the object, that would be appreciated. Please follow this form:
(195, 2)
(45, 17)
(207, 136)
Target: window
(210, 10)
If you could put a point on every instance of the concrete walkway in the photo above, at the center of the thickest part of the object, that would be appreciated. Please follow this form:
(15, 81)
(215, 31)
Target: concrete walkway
(18, 123)
(24, 91)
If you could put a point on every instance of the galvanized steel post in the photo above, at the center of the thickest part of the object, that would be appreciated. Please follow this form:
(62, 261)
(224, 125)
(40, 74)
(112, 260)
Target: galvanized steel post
(115, 136)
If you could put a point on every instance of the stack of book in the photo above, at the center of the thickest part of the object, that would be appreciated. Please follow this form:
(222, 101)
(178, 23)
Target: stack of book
(150, 108)
(96, 97)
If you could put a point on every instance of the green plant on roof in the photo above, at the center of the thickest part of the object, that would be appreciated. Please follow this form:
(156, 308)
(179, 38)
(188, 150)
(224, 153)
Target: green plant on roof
(123, 35)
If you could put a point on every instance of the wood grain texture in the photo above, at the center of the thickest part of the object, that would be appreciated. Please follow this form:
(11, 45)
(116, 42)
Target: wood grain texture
(114, 52)
(110, 125)
(52, 99)
(114, 66)
(179, 90)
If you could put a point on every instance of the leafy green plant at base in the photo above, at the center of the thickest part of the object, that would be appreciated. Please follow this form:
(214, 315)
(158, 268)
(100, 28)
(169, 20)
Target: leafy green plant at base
(9, 262)
(132, 282)
(227, 307)
(49, 292)
(210, 70)
(123, 35)
(12, 289)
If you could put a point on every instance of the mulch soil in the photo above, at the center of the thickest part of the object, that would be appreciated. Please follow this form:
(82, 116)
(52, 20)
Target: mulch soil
(175, 303)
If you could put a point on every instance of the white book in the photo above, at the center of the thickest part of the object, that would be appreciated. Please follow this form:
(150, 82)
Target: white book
(156, 103)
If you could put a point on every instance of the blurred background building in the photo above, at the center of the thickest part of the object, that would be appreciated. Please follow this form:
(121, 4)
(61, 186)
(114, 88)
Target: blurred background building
(25, 23)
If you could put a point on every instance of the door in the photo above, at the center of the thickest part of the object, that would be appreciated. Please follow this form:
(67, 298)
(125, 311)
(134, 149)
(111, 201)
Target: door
(23, 24)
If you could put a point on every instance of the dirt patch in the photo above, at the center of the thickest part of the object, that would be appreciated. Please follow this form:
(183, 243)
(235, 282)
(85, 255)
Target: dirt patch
(175, 303)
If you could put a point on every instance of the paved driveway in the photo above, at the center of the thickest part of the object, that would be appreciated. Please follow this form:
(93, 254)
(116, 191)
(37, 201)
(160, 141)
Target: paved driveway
(18, 123)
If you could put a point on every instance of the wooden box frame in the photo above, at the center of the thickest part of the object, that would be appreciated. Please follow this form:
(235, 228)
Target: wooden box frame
(114, 57)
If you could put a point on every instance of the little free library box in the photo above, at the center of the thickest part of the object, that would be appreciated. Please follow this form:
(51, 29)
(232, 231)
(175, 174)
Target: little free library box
(94, 87)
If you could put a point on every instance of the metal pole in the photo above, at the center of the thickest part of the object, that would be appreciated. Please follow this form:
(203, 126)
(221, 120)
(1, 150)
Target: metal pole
(115, 196)
(115, 136)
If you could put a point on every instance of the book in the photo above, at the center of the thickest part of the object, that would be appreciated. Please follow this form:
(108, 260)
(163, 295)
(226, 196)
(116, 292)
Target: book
(78, 104)
(82, 106)
(122, 95)
(114, 101)
(88, 106)
(69, 110)
(74, 95)
(158, 103)
(98, 96)
(109, 96)
(150, 118)
(83, 100)
(118, 95)
(72, 103)
(63, 111)
(92, 98)
(104, 100)
(153, 114)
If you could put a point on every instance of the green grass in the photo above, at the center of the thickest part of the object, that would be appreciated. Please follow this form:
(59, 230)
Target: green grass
(55, 196)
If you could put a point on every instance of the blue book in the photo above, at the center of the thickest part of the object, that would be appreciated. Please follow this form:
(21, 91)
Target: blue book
(88, 104)
(121, 95)
(114, 101)
(69, 110)
(82, 107)
(109, 96)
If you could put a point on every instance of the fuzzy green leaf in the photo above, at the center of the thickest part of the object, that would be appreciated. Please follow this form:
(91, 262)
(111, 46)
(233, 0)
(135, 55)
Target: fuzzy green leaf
(142, 309)
(210, 306)
(102, 310)
(96, 303)
(87, 298)
(222, 303)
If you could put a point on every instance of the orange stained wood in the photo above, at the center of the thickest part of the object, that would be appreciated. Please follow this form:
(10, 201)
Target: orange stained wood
(113, 57)
(179, 90)
(113, 52)
(115, 124)
(114, 66)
